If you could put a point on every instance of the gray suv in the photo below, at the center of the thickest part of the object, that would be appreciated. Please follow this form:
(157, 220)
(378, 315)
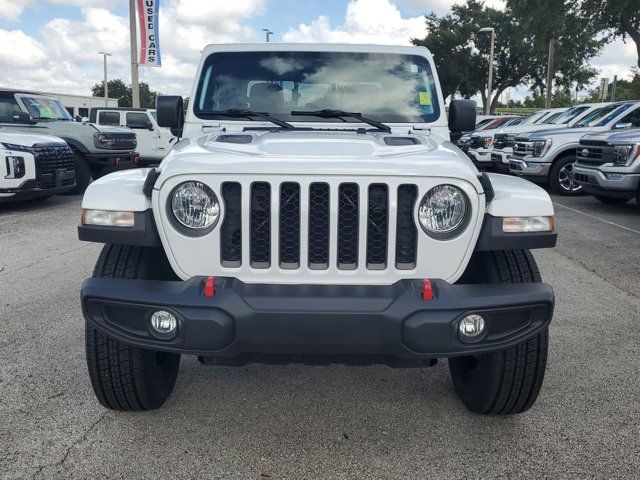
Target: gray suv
(97, 149)
(608, 165)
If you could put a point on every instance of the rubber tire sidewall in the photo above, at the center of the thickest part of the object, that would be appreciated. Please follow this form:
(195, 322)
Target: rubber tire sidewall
(83, 173)
(554, 181)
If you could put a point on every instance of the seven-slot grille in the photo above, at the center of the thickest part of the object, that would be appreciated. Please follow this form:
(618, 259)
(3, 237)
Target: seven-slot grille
(594, 153)
(314, 200)
(49, 159)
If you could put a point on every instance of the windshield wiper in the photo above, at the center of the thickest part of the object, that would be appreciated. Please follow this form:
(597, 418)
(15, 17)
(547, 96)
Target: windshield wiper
(244, 113)
(328, 113)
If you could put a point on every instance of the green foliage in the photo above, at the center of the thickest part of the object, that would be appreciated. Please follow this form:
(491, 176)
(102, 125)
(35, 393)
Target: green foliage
(523, 31)
(118, 89)
(620, 17)
(625, 89)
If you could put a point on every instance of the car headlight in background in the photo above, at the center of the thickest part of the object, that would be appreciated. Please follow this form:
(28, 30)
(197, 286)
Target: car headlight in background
(195, 208)
(487, 142)
(625, 154)
(14, 166)
(541, 147)
(444, 212)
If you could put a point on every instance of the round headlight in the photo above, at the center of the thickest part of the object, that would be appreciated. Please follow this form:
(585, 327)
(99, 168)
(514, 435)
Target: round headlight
(196, 207)
(444, 212)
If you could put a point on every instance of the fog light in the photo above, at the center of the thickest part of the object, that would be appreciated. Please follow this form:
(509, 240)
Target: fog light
(471, 326)
(164, 324)
(614, 176)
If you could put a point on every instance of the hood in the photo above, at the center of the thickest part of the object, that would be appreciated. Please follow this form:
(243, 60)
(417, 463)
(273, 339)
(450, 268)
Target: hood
(319, 153)
(574, 131)
(70, 127)
(517, 129)
(28, 139)
(626, 136)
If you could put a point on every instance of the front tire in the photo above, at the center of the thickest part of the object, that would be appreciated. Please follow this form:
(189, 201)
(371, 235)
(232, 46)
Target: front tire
(123, 377)
(561, 178)
(83, 173)
(505, 382)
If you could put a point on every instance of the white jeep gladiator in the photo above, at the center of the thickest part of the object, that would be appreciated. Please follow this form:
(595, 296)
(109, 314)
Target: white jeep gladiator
(315, 211)
(34, 166)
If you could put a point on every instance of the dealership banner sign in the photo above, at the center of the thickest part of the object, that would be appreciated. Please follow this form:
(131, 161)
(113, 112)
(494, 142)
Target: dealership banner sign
(149, 38)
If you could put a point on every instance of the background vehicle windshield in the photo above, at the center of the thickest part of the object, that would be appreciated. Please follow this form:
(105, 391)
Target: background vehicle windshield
(566, 116)
(614, 114)
(384, 87)
(43, 108)
(594, 117)
(534, 118)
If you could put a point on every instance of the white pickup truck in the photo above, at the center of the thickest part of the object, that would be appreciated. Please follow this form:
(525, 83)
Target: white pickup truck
(316, 211)
(34, 166)
(548, 156)
(154, 142)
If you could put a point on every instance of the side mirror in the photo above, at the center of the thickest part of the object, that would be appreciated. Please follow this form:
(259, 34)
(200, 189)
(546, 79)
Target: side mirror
(170, 112)
(23, 117)
(78, 118)
(462, 116)
(620, 126)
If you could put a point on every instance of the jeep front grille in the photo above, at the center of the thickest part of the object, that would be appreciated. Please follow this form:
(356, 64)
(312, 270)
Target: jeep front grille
(326, 212)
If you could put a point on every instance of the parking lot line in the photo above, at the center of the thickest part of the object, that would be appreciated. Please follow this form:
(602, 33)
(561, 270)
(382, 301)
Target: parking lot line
(598, 218)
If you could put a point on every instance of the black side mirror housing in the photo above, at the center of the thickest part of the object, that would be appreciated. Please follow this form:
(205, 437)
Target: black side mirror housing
(170, 112)
(462, 116)
(23, 117)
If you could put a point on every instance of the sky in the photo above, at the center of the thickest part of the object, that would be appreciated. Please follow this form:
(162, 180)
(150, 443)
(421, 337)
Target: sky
(52, 45)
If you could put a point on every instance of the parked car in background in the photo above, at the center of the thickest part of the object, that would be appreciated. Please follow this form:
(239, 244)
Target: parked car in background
(502, 146)
(608, 165)
(97, 149)
(34, 166)
(154, 142)
(465, 139)
(547, 157)
(481, 143)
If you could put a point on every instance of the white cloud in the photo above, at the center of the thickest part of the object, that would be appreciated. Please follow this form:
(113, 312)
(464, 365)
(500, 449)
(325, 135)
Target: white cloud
(10, 10)
(65, 54)
(366, 21)
(441, 7)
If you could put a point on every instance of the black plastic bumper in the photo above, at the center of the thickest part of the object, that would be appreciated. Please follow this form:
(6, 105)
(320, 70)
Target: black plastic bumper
(113, 160)
(390, 320)
(30, 190)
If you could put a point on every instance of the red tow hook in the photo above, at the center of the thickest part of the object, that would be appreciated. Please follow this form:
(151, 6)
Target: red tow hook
(210, 287)
(427, 290)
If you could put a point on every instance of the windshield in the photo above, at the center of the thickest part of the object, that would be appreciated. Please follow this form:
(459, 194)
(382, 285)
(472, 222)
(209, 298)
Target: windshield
(384, 87)
(43, 108)
(566, 116)
(623, 108)
(594, 117)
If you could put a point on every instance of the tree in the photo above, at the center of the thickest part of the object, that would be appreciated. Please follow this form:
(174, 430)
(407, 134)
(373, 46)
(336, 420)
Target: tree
(523, 31)
(621, 17)
(118, 89)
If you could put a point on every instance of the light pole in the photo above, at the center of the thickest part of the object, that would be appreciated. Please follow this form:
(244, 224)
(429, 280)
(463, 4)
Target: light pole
(267, 34)
(135, 85)
(487, 107)
(106, 81)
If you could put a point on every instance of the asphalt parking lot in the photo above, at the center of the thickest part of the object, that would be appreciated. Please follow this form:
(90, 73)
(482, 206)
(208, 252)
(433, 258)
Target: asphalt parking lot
(334, 422)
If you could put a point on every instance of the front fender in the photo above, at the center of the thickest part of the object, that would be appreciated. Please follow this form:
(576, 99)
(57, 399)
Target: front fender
(119, 191)
(517, 197)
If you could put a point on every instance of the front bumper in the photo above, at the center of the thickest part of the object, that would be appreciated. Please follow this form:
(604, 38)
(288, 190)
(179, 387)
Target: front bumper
(370, 320)
(31, 189)
(480, 156)
(596, 182)
(500, 161)
(529, 167)
(113, 160)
